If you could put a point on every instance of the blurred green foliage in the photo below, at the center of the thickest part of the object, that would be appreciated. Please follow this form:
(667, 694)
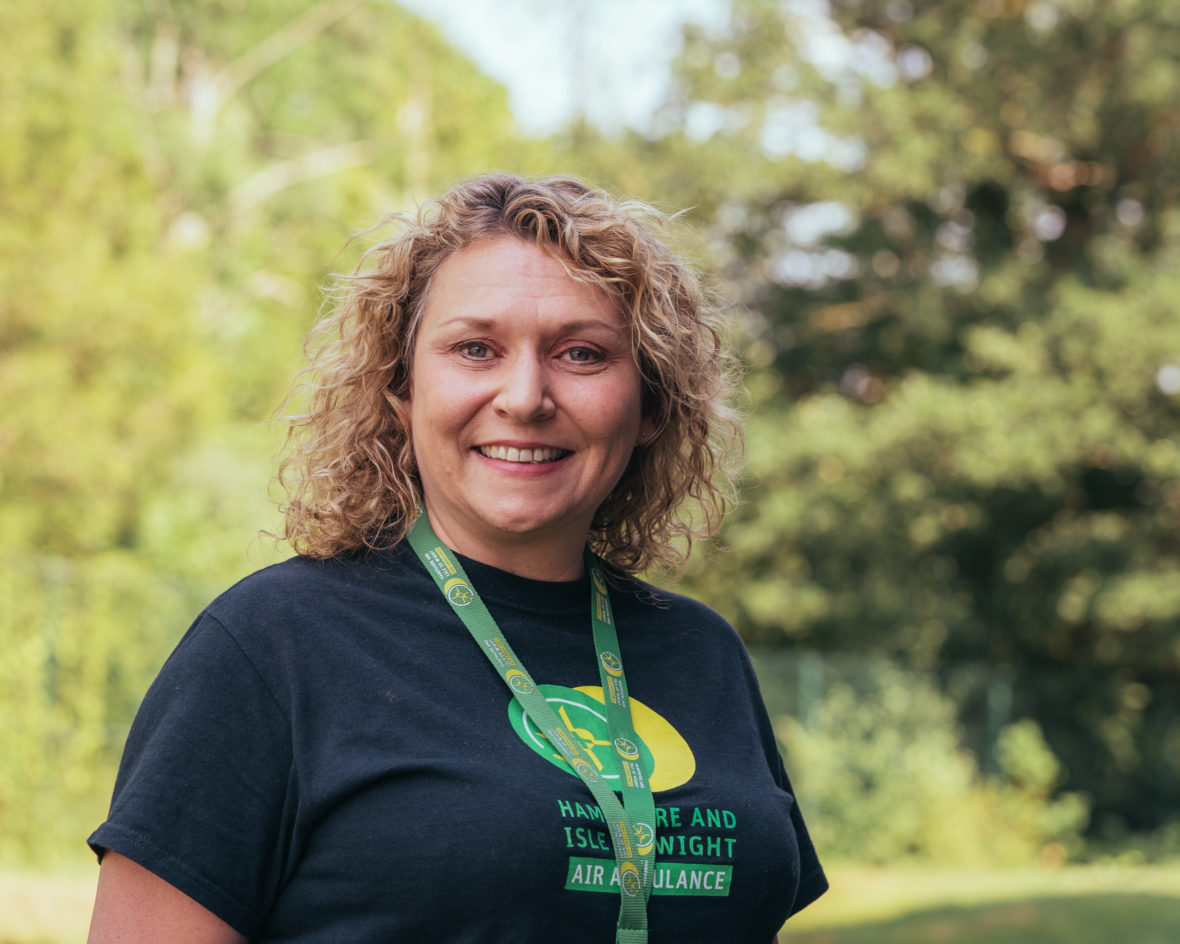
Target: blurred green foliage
(887, 780)
(948, 232)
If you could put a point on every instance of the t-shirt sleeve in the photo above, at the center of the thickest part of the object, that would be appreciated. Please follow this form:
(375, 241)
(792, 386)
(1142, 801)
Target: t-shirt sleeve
(205, 792)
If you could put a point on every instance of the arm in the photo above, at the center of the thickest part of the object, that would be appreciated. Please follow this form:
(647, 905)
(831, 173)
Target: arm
(135, 906)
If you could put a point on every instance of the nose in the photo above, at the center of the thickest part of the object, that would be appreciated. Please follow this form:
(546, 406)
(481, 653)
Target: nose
(524, 394)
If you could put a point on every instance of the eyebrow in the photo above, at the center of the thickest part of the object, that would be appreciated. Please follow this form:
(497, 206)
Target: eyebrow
(479, 323)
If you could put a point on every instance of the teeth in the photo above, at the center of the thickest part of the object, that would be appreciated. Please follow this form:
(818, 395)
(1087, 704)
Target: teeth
(511, 454)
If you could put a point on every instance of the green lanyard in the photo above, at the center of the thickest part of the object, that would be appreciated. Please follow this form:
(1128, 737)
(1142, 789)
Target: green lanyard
(632, 823)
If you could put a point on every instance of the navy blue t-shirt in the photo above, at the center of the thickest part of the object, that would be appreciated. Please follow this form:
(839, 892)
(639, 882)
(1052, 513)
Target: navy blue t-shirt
(328, 756)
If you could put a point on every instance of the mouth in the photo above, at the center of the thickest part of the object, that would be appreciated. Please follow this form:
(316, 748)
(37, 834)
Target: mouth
(530, 456)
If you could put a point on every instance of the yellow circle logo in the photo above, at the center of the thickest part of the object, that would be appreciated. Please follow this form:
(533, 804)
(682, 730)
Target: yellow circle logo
(586, 772)
(645, 836)
(627, 749)
(458, 591)
(596, 576)
(519, 681)
(664, 756)
(629, 879)
(612, 663)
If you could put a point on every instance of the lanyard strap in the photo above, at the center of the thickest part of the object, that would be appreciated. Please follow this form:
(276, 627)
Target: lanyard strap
(632, 823)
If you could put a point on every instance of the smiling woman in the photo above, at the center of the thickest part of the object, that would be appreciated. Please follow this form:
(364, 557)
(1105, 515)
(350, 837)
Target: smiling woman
(457, 711)
(352, 478)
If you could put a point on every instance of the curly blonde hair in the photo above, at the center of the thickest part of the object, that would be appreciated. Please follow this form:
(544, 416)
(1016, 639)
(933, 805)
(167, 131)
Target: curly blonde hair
(350, 475)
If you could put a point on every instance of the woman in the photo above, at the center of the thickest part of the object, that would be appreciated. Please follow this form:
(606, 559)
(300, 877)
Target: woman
(445, 720)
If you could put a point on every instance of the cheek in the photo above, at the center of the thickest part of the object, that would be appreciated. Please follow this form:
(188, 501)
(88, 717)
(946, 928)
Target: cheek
(618, 423)
(434, 394)
(423, 424)
(444, 412)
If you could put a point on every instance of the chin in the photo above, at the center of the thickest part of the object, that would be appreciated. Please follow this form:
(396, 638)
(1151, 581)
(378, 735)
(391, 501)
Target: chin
(525, 527)
(520, 524)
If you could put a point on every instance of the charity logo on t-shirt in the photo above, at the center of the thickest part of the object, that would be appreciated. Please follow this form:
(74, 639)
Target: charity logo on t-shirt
(662, 753)
(684, 833)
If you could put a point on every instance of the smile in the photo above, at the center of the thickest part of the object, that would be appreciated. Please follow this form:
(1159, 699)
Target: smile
(511, 454)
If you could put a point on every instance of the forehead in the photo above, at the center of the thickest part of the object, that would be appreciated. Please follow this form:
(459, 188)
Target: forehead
(508, 277)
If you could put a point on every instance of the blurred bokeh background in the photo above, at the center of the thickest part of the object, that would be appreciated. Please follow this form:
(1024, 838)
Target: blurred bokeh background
(948, 235)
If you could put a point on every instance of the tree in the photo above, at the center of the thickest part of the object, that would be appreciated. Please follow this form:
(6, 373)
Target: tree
(175, 177)
(952, 227)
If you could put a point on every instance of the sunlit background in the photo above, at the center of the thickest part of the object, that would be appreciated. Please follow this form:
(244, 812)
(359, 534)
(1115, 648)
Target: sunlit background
(947, 234)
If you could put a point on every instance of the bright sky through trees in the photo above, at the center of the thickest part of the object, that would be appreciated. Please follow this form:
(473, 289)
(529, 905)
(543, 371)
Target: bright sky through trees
(607, 59)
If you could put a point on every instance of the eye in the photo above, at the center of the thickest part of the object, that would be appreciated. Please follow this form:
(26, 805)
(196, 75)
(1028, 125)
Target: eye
(476, 350)
(582, 355)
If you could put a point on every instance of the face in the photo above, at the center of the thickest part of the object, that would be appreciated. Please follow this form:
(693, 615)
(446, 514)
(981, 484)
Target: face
(524, 404)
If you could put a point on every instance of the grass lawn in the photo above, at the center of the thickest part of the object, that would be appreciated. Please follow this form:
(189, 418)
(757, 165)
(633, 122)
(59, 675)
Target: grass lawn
(1082, 905)
(46, 909)
(1075, 905)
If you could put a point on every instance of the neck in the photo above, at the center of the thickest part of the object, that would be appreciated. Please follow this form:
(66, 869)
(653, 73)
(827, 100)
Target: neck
(536, 565)
(524, 555)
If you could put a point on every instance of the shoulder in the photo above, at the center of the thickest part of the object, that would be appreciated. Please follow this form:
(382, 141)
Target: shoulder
(304, 620)
(631, 591)
(302, 584)
(674, 613)
(293, 610)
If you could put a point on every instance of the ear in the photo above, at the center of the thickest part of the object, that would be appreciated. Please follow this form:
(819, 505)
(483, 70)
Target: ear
(647, 431)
